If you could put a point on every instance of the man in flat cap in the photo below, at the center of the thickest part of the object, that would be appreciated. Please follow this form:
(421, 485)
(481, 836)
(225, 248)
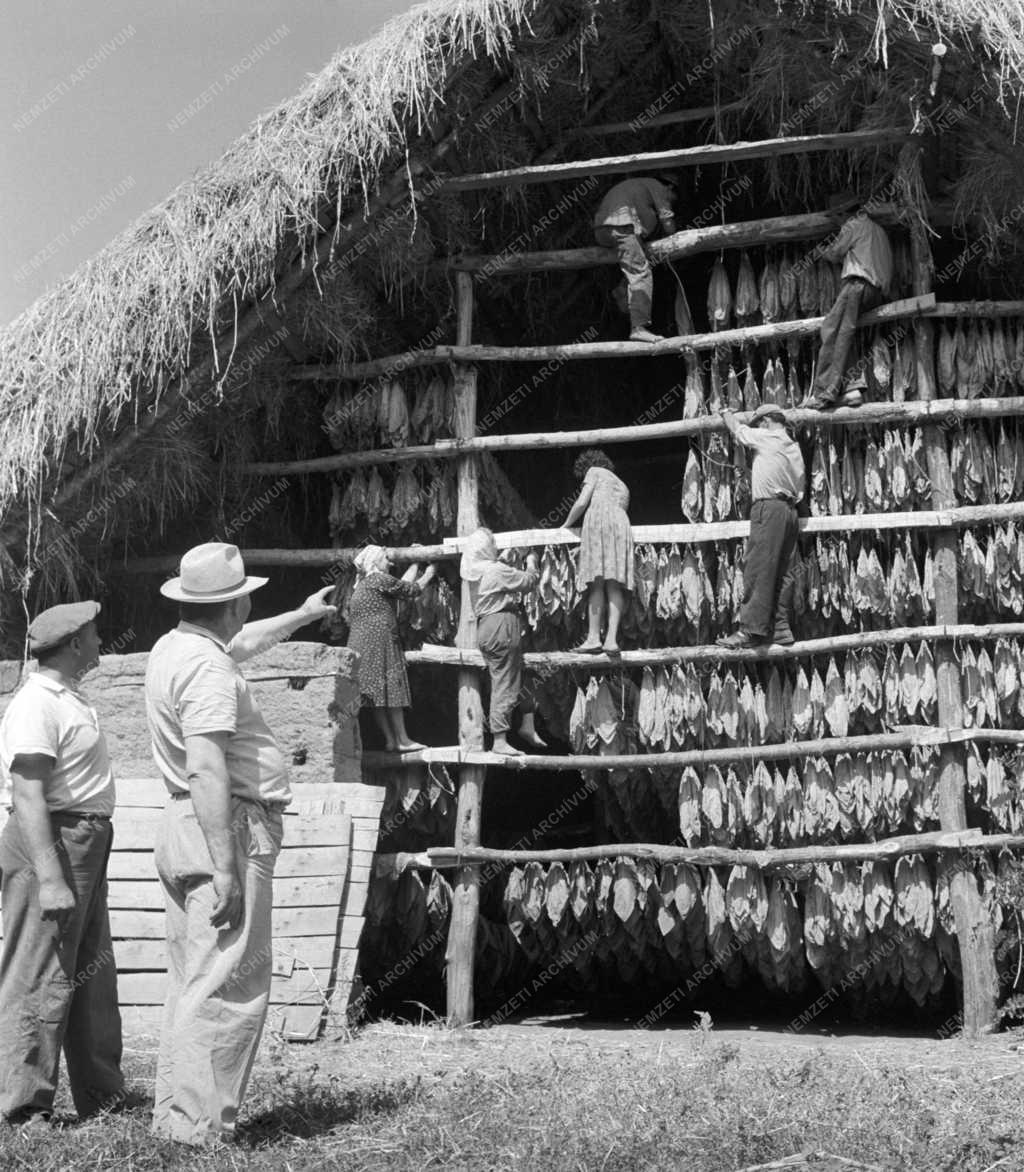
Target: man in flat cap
(776, 488)
(58, 980)
(215, 854)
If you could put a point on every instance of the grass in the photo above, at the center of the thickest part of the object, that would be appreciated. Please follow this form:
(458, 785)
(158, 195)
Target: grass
(404, 1097)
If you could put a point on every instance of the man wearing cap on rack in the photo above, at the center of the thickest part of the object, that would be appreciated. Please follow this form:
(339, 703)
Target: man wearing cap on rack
(630, 212)
(58, 980)
(222, 830)
(863, 246)
(776, 488)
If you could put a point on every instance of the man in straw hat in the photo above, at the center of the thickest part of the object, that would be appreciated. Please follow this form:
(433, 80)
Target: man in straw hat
(776, 488)
(866, 254)
(222, 830)
(630, 212)
(58, 981)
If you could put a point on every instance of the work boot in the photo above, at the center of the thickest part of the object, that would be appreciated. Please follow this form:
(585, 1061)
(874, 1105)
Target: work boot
(783, 635)
(816, 401)
(643, 334)
(852, 397)
(740, 640)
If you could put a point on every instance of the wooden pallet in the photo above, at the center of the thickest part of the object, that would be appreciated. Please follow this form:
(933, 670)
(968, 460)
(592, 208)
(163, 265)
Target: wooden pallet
(320, 888)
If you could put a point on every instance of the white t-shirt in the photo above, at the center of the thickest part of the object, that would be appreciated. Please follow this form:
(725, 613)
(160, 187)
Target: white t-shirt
(50, 718)
(193, 686)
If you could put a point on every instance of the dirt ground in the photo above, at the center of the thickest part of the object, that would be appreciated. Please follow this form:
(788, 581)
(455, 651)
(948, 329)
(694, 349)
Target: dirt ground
(567, 1092)
(384, 1050)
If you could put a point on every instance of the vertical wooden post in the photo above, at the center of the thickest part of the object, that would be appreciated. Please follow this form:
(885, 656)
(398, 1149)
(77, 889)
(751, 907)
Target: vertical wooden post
(975, 934)
(466, 895)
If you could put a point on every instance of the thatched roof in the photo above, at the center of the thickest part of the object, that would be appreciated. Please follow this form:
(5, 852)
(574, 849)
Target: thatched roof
(163, 315)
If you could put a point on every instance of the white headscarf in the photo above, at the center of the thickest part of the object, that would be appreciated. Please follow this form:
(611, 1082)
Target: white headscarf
(480, 548)
(369, 559)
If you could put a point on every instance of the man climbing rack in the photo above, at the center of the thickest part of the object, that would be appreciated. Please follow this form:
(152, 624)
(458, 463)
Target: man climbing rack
(777, 487)
(629, 213)
(863, 247)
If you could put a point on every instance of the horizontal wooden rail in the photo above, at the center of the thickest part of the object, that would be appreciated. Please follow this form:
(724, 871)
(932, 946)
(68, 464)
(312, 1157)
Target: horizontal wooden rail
(338, 558)
(644, 122)
(806, 228)
(961, 518)
(908, 737)
(700, 156)
(907, 414)
(708, 856)
(578, 351)
(434, 653)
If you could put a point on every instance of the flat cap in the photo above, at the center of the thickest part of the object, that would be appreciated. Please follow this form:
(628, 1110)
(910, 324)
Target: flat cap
(58, 624)
(768, 411)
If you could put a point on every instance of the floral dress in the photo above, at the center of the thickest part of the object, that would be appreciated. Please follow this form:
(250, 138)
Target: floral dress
(606, 539)
(373, 632)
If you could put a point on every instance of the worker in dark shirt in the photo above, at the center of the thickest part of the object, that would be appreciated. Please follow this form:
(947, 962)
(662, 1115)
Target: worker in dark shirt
(630, 212)
(777, 486)
(863, 247)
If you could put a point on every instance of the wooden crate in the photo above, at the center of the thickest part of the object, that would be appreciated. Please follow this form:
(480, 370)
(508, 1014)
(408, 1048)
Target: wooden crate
(320, 889)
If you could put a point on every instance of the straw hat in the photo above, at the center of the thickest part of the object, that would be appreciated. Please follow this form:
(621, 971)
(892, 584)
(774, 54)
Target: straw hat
(213, 572)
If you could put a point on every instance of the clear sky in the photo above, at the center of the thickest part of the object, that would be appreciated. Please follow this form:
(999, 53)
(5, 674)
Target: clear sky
(107, 105)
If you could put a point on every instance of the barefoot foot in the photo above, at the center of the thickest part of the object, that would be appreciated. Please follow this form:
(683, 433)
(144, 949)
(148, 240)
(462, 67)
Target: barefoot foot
(505, 749)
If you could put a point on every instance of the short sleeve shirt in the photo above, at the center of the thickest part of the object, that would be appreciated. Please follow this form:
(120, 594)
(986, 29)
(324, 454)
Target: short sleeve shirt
(778, 465)
(193, 686)
(500, 587)
(55, 720)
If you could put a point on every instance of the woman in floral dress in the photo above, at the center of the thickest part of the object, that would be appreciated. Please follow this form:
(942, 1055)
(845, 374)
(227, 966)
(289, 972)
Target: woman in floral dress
(373, 632)
(606, 548)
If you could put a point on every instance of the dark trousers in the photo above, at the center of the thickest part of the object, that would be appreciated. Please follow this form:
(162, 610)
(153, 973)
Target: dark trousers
(58, 988)
(837, 333)
(500, 640)
(768, 564)
(636, 269)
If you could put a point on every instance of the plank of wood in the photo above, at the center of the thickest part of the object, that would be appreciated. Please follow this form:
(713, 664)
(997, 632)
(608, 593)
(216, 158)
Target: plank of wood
(308, 862)
(147, 954)
(546, 660)
(287, 922)
(579, 351)
(135, 833)
(908, 737)
(136, 864)
(643, 122)
(147, 894)
(951, 518)
(138, 924)
(974, 929)
(686, 157)
(149, 988)
(135, 894)
(296, 1023)
(714, 856)
(896, 415)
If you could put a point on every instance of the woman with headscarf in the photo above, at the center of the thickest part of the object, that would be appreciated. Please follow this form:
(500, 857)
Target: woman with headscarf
(606, 548)
(495, 588)
(373, 632)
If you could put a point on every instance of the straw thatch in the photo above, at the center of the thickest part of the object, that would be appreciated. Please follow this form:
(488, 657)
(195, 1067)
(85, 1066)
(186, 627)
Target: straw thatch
(163, 317)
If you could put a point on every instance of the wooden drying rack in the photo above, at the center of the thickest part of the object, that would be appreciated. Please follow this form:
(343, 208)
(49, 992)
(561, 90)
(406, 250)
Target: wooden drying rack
(974, 933)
